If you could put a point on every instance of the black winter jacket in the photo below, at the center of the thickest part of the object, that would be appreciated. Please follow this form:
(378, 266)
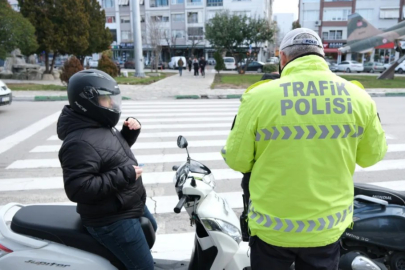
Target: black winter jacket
(98, 171)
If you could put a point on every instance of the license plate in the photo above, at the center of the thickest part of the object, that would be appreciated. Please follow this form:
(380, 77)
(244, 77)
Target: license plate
(5, 99)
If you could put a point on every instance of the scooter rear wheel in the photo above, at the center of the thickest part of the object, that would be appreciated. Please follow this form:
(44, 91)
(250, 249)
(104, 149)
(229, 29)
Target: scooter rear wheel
(397, 261)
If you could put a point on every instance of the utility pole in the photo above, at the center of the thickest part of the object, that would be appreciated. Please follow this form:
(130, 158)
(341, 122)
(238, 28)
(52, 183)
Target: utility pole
(138, 56)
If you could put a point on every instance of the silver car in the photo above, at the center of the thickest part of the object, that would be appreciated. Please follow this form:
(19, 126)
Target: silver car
(373, 67)
(349, 66)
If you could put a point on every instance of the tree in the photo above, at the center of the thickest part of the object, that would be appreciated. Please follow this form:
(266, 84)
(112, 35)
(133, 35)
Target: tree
(155, 35)
(296, 24)
(15, 32)
(70, 67)
(171, 43)
(195, 35)
(100, 37)
(220, 65)
(256, 31)
(224, 32)
(60, 26)
(107, 65)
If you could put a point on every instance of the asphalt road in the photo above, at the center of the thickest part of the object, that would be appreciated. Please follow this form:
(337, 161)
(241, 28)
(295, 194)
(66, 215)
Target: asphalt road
(30, 171)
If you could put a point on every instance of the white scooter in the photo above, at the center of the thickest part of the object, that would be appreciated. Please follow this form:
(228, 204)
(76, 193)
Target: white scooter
(44, 236)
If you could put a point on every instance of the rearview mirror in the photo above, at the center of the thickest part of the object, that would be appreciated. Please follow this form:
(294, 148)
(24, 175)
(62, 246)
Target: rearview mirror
(182, 142)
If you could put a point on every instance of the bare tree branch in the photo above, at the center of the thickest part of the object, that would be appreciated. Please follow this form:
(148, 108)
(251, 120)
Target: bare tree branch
(155, 35)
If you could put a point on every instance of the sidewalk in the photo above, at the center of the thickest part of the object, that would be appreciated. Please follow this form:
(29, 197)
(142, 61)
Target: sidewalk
(186, 86)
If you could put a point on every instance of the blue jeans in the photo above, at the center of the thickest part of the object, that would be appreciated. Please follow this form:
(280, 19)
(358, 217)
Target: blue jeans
(125, 239)
(181, 70)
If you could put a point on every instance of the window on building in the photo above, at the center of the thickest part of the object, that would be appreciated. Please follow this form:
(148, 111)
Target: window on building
(366, 13)
(195, 33)
(110, 19)
(332, 35)
(333, 14)
(178, 33)
(194, 2)
(107, 3)
(192, 17)
(310, 15)
(126, 35)
(242, 13)
(125, 19)
(338, 0)
(114, 34)
(159, 3)
(310, 1)
(241, 0)
(177, 2)
(160, 18)
(142, 18)
(389, 13)
(214, 3)
(178, 17)
(123, 2)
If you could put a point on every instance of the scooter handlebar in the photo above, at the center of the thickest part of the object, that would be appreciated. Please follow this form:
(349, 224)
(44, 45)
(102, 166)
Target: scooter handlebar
(180, 204)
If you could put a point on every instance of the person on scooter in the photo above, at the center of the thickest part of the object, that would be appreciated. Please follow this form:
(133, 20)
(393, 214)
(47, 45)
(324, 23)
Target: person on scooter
(100, 172)
(300, 137)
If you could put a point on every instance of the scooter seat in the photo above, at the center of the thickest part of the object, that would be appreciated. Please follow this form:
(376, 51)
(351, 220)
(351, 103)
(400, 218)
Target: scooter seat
(386, 194)
(62, 224)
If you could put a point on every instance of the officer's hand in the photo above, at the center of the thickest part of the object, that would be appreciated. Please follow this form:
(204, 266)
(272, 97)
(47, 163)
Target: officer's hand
(132, 124)
(138, 171)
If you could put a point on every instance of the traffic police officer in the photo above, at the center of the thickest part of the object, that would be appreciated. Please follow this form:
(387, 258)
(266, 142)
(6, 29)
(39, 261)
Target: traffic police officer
(301, 137)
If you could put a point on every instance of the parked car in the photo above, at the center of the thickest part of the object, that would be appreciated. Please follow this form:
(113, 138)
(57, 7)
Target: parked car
(129, 64)
(400, 68)
(255, 66)
(349, 66)
(272, 60)
(91, 63)
(373, 67)
(211, 61)
(230, 63)
(332, 66)
(175, 59)
(387, 66)
(5, 94)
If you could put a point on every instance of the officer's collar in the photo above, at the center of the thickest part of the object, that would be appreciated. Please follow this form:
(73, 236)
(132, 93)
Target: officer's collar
(304, 62)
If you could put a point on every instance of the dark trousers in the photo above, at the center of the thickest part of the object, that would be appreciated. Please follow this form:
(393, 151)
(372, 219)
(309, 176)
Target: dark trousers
(126, 240)
(195, 71)
(189, 68)
(268, 257)
(203, 71)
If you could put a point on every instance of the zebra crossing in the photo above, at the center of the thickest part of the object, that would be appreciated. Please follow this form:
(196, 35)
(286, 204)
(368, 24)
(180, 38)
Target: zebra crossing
(205, 124)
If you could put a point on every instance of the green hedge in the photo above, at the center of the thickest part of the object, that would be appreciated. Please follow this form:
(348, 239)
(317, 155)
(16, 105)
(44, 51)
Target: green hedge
(270, 68)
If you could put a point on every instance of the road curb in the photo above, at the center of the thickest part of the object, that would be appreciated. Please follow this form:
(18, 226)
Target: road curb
(225, 96)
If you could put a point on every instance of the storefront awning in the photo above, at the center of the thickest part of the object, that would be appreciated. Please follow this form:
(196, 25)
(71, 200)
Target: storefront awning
(330, 50)
(390, 45)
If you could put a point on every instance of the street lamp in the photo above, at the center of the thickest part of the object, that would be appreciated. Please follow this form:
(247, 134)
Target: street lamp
(138, 55)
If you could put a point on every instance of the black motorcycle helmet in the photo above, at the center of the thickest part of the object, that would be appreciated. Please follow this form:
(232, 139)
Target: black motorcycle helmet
(95, 94)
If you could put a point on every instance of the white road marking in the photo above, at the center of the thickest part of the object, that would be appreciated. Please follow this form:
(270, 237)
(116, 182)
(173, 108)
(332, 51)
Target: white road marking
(219, 110)
(14, 184)
(200, 106)
(396, 147)
(22, 135)
(392, 164)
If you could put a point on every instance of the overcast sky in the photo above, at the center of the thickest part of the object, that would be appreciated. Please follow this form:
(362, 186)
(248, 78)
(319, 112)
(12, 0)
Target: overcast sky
(286, 6)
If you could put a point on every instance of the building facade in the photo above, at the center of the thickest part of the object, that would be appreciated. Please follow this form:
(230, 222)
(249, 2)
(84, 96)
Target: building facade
(329, 19)
(181, 21)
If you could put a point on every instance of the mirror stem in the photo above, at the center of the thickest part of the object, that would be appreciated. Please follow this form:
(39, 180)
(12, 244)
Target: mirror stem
(188, 156)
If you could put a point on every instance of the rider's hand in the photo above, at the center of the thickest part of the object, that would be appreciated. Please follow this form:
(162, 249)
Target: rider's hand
(132, 124)
(138, 171)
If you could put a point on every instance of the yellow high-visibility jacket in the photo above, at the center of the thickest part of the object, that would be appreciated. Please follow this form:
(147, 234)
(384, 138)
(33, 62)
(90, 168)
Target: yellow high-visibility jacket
(301, 137)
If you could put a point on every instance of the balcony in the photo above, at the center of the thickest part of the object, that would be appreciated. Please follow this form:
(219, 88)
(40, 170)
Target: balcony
(159, 3)
(214, 3)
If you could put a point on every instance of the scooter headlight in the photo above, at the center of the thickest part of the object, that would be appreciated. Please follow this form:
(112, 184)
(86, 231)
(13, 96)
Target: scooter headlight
(213, 224)
(209, 179)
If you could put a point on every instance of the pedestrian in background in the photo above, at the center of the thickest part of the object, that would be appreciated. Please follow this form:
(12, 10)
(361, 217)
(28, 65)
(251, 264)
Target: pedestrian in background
(190, 63)
(195, 66)
(202, 65)
(180, 64)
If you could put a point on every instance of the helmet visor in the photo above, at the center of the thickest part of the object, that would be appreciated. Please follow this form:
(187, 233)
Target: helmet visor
(109, 100)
